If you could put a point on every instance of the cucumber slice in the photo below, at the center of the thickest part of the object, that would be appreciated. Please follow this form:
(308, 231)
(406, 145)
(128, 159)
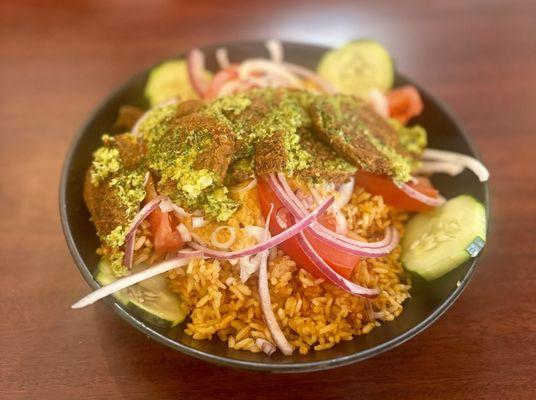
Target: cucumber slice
(150, 299)
(168, 80)
(358, 67)
(437, 241)
(105, 276)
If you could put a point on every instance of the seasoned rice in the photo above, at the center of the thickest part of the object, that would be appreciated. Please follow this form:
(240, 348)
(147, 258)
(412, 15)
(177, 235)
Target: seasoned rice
(313, 314)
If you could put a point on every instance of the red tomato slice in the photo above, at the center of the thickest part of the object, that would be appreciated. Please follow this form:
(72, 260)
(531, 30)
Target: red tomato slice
(162, 225)
(392, 195)
(165, 237)
(222, 77)
(342, 262)
(404, 103)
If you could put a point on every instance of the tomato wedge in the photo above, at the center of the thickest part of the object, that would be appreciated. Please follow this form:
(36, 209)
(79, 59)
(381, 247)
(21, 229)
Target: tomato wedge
(165, 237)
(392, 195)
(404, 103)
(222, 77)
(162, 225)
(341, 262)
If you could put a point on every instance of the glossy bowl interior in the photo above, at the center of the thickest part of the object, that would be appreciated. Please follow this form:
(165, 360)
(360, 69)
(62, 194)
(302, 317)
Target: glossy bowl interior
(429, 299)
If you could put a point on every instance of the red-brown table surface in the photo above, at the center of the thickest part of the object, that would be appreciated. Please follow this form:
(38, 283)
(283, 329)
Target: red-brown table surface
(58, 60)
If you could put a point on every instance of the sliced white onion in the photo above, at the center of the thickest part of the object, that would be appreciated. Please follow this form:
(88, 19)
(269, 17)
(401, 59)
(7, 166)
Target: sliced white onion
(281, 216)
(306, 199)
(130, 237)
(341, 226)
(135, 131)
(317, 196)
(275, 48)
(434, 167)
(228, 243)
(248, 266)
(168, 206)
(146, 179)
(456, 158)
(266, 303)
(244, 188)
(268, 244)
(251, 265)
(273, 254)
(180, 261)
(305, 73)
(196, 71)
(344, 196)
(165, 206)
(415, 194)
(255, 231)
(198, 222)
(248, 67)
(267, 347)
(231, 87)
(184, 232)
(222, 57)
(379, 103)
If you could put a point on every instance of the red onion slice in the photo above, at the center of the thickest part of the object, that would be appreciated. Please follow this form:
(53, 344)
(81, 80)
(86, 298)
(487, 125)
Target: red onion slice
(330, 274)
(268, 244)
(179, 261)
(366, 249)
(130, 237)
(388, 243)
(196, 71)
(416, 195)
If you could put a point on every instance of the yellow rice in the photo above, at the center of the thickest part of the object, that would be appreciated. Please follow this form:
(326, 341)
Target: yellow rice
(313, 314)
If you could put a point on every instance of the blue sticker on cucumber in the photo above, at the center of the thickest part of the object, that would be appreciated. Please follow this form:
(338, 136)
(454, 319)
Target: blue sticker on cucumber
(476, 245)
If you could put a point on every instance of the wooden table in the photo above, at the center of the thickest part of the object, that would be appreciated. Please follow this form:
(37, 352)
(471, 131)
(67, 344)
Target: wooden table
(57, 62)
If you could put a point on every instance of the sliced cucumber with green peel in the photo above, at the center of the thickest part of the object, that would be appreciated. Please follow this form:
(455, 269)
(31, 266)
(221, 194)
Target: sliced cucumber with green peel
(150, 299)
(437, 241)
(170, 80)
(358, 67)
(105, 276)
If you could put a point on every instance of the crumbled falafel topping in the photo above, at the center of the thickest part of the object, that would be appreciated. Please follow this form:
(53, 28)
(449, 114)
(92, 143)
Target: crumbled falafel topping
(194, 149)
(106, 161)
(412, 138)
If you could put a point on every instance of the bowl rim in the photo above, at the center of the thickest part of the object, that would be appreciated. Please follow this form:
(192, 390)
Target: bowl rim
(244, 364)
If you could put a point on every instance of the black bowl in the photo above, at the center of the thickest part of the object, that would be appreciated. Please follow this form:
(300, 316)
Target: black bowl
(429, 299)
